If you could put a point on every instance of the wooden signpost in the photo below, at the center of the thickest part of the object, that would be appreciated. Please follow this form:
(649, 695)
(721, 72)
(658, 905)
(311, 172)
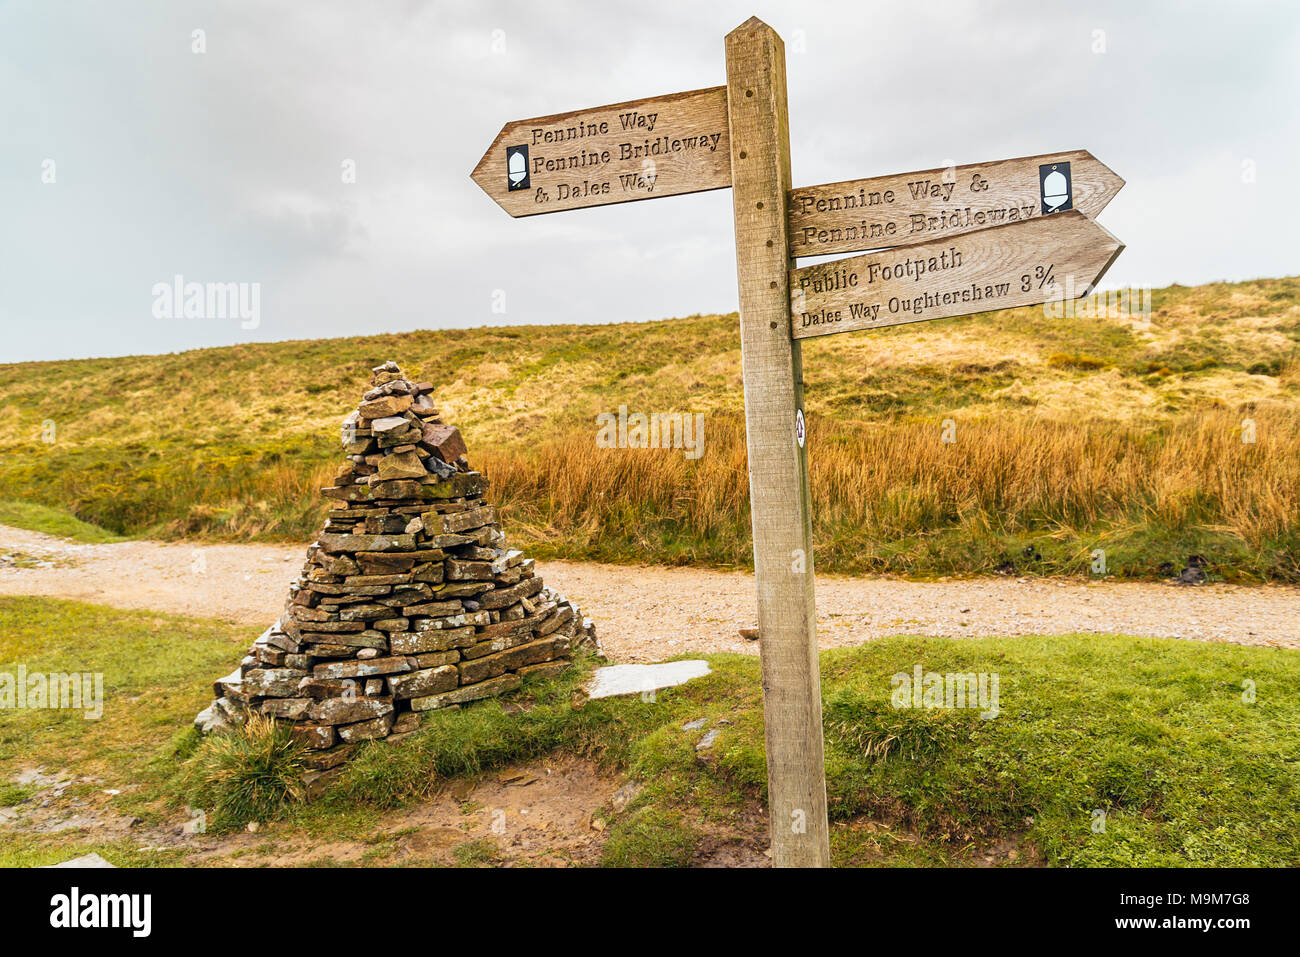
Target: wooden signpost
(1019, 264)
(946, 242)
(907, 208)
(660, 146)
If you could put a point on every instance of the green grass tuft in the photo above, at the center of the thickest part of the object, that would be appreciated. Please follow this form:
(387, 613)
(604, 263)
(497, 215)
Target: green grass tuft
(250, 774)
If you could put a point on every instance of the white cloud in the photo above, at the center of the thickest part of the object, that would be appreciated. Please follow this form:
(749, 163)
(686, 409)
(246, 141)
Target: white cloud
(225, 166)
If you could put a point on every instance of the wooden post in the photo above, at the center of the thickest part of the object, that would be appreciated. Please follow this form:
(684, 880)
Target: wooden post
(778, 463)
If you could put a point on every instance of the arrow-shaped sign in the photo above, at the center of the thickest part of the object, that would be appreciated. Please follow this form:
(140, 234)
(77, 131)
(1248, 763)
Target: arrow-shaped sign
(660, 146)
(1019, 264)
(904, 209)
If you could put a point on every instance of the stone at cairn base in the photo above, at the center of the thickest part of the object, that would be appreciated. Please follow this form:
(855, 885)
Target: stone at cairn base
(409, 600)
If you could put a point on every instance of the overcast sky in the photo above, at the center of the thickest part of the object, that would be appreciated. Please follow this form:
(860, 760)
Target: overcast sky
(227, 165)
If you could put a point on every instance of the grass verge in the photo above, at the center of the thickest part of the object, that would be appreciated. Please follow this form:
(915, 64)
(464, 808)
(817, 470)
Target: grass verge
(53, 521)
(1184, 752)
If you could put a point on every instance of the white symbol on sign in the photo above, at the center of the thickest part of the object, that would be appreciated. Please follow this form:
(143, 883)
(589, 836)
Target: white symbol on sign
(1056, 190)
(798, 427)
(518, 167)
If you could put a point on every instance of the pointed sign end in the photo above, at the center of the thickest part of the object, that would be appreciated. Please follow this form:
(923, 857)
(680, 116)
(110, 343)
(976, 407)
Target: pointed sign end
(485, 172)
(1113, 181)
(752, 25)
(1119, 248)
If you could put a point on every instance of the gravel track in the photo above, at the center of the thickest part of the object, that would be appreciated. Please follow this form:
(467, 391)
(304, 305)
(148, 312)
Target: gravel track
(651, 612)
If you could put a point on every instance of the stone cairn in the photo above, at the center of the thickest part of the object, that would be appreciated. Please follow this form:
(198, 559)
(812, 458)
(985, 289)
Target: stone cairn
(409, 599)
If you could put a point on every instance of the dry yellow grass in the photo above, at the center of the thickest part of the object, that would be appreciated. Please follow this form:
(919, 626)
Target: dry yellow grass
(1070, 488)
(1073, 433)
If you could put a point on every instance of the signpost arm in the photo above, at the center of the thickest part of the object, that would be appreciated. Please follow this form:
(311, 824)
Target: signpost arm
(778, 462)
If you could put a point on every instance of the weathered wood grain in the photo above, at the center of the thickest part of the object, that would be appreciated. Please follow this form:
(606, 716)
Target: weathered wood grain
(904, 209)
(1019, 264)
(641, 149)
(778, 462)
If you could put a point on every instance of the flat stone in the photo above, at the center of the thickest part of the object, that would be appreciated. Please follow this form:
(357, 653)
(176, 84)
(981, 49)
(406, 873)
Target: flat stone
(546, 669)
(318, 737)
(85, 860)
(290, 709)
(505, 597)
(385, 524)
(502, 641)
(366, 730)
(212, 719)
(348, 493)
(378, 580)
(327, 687)
(404, 559)
(330, 651)
(425, 682)
(484, 689)
(351, 590)
(453, 621)
(468, 571)
(273, 682)
(406, 722)
(508, 628)
(531, 653)
(432, 573)
(361, 669)
(232, 683)
(398, 490)
(349, 711)
(360, 613)
(396, 438)
(450, 541)
(304, 630)
(401, 465)
(617, 680)
(562, 614)
(461, 589)
(436, 659)
(461, 484)
(421, 642)
(388, 424)
(433, 609)
(385, 407)
(367, 543)
(460, 521)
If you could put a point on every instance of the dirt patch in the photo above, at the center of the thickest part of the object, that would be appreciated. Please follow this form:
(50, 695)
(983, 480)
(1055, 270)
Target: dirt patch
(535, 814)
(887, 842)
(743, 842)
(63, 802)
